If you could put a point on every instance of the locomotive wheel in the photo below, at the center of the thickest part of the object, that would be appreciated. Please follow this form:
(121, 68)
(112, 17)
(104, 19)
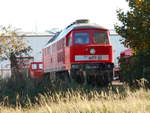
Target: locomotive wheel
(66, 79)
(91, 80)
(100, 78)
(77, 76)
(61, 79)
(80, 79)
(104, 79)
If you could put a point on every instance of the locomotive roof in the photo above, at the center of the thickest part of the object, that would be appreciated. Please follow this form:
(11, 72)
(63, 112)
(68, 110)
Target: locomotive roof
(63, 33)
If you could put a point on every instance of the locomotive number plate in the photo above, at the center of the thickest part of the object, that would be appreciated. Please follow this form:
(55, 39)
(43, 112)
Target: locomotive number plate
(91, 57)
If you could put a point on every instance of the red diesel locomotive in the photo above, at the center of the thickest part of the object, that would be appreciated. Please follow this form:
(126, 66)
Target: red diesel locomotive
(81, 52)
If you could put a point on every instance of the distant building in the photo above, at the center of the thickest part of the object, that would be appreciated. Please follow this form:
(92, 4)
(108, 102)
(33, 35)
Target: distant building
(36, 42)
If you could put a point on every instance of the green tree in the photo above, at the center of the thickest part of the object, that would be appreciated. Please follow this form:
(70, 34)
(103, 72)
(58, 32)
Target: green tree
(11, 46)
(135, 25)
(135, 29)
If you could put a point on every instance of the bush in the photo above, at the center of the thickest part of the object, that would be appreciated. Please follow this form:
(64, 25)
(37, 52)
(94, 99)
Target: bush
(21, 90)
(136, 67)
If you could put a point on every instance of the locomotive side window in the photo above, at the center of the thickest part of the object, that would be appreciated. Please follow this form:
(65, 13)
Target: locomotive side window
(100, 38)
(81, 38)
(70, 41)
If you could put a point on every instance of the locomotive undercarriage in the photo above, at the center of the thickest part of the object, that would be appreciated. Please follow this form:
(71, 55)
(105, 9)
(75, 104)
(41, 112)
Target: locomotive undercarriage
(92, 77)
(100, 74)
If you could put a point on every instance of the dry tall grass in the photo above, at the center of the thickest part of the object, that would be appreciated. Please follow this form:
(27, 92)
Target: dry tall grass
(80, 101)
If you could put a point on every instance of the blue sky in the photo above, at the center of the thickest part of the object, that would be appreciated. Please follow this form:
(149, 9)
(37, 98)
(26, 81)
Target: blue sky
(41, 15)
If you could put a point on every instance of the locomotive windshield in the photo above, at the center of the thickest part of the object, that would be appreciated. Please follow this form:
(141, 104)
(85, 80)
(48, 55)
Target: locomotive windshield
(100, 38)
(37, 66)
(81, 38)
(40, 66)
(34, 66)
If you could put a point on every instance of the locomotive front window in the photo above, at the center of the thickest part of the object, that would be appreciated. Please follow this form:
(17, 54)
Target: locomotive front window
(100, 38)
(40, 66)
(34, 66)
(81, 38)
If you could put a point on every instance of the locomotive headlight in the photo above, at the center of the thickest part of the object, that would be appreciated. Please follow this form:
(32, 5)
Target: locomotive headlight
(92, 51)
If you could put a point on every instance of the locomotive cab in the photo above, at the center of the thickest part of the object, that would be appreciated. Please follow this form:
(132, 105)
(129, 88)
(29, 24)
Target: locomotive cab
(89, 53)
(89, 46)
(36, 70)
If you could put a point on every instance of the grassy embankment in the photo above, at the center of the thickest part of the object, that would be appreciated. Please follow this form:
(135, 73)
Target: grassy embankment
(85, 100)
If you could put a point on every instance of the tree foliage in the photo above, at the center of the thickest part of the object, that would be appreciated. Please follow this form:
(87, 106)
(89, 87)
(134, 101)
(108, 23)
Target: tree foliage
(12, 45)
(135, 25)
(135, 29)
